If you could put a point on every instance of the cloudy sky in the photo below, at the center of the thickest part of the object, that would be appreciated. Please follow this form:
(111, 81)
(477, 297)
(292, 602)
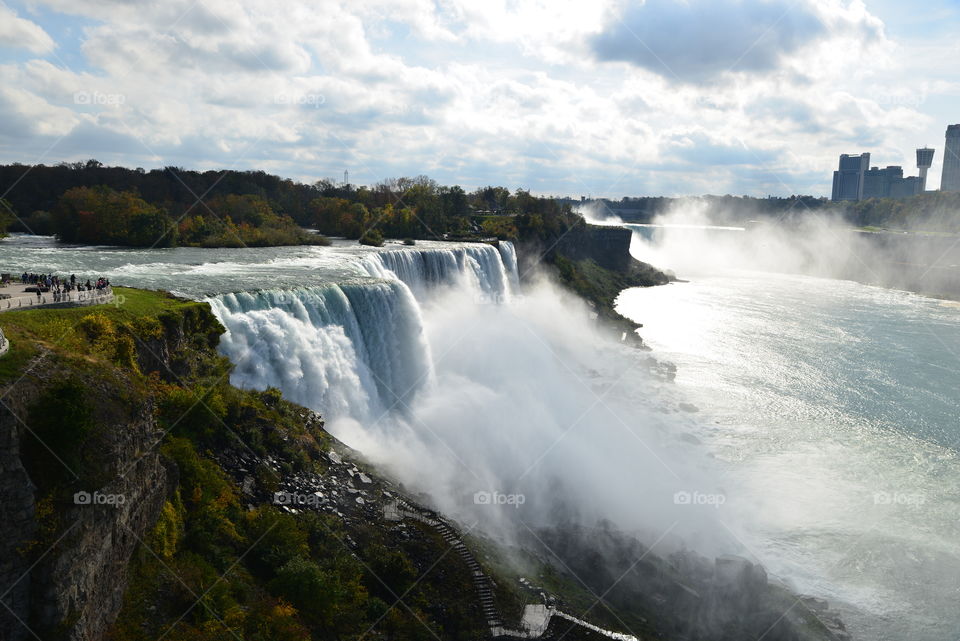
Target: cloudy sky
(567, 97)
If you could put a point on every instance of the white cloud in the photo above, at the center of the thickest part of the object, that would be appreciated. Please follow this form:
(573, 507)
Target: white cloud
(503, 92)
(19, 32)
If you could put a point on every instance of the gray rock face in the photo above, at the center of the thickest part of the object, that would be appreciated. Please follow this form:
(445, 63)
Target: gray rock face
(73, 580)
(17, 527)
(86, 581)
(738, 573)
(607, 246)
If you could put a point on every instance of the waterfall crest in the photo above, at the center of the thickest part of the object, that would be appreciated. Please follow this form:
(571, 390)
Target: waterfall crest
(486, 270)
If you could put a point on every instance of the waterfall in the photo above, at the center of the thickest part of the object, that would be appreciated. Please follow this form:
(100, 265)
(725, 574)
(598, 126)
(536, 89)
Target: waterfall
(508, 254)
(354, 349)
(483, 268)
(350, 349)
(413, 362)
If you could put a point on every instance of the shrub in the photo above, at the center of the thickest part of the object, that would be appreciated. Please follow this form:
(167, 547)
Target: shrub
(166, 534)
(372, 237)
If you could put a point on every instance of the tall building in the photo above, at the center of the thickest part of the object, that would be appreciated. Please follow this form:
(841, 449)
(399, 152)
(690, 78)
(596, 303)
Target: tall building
(848, 180)
(906, 187)
(951, 160)
(924, 162)
(878, 183)
(890, 182)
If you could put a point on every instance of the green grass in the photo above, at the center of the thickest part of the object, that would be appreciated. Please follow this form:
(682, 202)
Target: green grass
(59, 329)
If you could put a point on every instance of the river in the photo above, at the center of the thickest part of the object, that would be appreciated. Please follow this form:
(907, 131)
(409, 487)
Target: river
(835, 409)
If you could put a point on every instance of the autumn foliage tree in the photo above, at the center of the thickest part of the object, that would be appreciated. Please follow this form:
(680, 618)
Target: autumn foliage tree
(100, 215)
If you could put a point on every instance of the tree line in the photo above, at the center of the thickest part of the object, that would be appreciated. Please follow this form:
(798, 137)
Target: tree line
(92, 203)
(88, 202)
(930, 211)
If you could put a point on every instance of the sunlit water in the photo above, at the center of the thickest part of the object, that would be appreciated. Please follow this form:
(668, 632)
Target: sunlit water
(835, 408)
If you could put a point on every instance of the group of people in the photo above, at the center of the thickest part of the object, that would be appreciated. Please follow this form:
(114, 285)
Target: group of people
(61, 286)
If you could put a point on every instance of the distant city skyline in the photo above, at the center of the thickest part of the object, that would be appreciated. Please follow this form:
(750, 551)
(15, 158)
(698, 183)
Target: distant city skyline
(856, 179)
(608, 98)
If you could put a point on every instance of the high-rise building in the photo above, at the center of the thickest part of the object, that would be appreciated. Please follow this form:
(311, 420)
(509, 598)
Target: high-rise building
(878, 183)
(906, 187)
(951, 160)
(924, 162)
(848, 180)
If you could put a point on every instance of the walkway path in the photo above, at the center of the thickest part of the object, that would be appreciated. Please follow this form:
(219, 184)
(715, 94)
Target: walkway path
(14, 296)
(536, 617)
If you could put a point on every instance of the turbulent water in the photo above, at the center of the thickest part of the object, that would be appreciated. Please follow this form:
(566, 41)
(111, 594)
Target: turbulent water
(835, 409)
(349, 348)
(825, 445)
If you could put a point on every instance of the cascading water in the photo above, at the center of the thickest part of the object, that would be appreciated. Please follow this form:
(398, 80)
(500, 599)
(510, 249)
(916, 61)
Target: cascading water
(834, 430)
(488, 271)
(508, 254)
(353, 349)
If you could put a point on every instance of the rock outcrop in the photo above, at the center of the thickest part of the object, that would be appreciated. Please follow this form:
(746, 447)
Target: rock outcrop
(64, 551)
(609, 247)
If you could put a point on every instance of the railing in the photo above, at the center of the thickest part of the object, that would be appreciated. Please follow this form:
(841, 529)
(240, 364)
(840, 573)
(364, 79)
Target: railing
(536, 617)
(79, 297)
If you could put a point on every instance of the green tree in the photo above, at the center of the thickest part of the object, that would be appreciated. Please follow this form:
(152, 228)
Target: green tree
(7, 216)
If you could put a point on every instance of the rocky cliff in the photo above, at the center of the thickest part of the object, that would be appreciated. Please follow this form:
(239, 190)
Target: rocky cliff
(609, 247)
(81, 477)
(64, 553)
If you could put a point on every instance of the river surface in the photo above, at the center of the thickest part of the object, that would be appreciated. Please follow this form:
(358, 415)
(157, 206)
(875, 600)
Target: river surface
(835, 407)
